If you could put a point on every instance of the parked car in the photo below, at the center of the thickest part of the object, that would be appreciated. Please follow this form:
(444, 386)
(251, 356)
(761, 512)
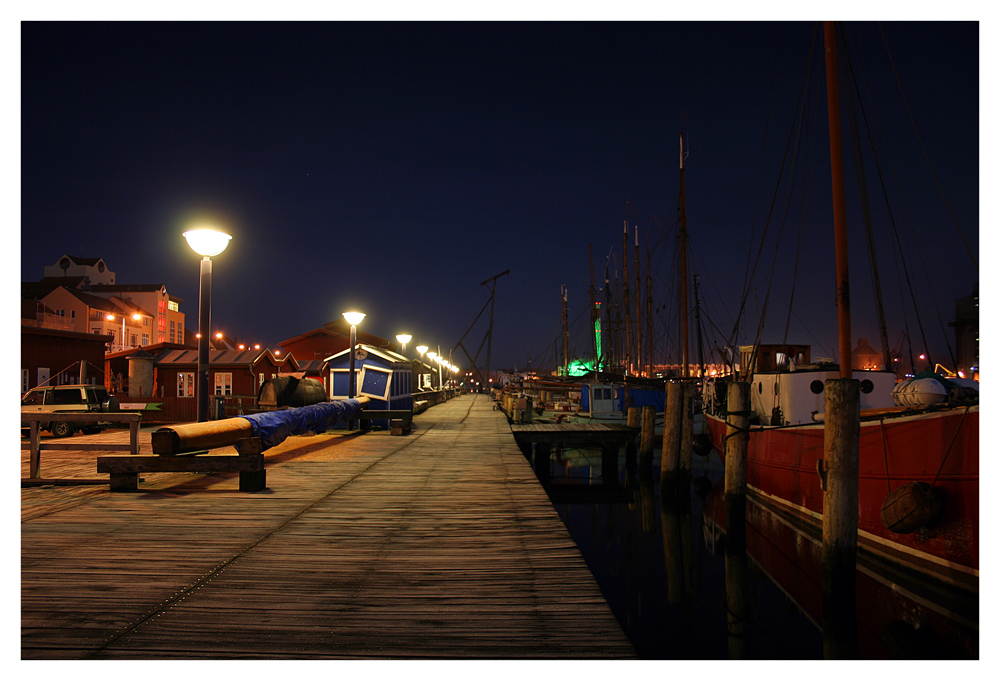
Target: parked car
(62, 399)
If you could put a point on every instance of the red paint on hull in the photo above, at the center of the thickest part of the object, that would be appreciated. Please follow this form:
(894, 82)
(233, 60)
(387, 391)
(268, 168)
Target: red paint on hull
(894, 451)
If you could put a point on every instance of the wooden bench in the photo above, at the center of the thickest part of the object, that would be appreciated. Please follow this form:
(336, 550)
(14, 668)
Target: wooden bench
(249, 463)
(36, 446)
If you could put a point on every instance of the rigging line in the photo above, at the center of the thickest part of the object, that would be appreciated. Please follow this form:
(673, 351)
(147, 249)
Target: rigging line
(855, 135)
(923, 148)
(901, 260)
(781, 172)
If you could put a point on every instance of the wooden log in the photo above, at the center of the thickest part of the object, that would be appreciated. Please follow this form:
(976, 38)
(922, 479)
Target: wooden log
(841, 435)
(737, 436)
(169, 441)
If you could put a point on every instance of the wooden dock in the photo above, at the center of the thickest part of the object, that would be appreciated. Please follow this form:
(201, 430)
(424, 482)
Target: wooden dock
(438, 544)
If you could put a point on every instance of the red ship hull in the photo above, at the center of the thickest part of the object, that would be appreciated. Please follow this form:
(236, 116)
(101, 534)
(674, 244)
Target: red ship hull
(939, 448)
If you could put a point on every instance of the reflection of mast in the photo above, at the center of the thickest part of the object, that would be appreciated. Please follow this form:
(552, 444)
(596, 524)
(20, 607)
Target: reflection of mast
(625, 301)
(682, 250)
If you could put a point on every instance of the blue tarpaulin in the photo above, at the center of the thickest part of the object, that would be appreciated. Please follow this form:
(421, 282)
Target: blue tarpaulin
(273, 427)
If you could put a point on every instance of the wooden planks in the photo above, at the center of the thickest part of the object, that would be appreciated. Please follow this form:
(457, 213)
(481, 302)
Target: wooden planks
(441, 544)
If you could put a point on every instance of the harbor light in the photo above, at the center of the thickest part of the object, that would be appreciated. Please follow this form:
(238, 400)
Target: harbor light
(403, 339)
(353, 318)
(207, 243)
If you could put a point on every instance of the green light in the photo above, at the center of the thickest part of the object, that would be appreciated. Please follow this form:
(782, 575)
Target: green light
(580, 368)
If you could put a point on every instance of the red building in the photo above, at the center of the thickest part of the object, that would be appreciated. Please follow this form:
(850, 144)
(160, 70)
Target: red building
(330, 339)
(54, 356)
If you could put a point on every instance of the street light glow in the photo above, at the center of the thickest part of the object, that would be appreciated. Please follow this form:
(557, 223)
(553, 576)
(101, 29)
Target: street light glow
(403, 338)
(207, 242)
(354, 318)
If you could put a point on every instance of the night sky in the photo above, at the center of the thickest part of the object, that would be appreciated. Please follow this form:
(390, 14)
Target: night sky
(392, 167)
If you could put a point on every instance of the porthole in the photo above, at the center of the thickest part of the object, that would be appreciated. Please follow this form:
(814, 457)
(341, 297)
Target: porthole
(867, 386)
(816, 387)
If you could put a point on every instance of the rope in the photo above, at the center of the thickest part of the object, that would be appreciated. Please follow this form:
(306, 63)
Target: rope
(951, 444)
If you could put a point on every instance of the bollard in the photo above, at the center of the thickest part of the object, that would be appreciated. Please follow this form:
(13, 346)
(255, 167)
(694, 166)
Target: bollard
(841, 432)
(737, 435)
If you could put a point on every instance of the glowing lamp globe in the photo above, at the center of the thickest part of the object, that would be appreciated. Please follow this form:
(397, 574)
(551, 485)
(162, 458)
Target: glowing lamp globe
(354, 318)
(422, 349)
(403, 338)
(207, 242)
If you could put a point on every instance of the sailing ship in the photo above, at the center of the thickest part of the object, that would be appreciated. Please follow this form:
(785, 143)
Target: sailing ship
(918, 486)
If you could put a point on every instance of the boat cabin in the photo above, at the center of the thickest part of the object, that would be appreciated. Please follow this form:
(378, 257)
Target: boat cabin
(383, 376)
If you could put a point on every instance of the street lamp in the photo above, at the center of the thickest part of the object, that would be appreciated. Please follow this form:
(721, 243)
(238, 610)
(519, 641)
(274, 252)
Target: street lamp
(110, 317)
(353, 318)
(403, 339)
(206, 243)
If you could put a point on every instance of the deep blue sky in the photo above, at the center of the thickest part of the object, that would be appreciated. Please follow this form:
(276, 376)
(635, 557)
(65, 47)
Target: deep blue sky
(393, 167)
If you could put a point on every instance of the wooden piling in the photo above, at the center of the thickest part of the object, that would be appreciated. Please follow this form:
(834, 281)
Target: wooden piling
(670, 450)
(841, 432)
(648, 430)
(737, 436)
(687, 437)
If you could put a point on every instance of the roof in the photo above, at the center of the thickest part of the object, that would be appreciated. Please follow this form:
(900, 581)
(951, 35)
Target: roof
(382, 353)
(189, 357)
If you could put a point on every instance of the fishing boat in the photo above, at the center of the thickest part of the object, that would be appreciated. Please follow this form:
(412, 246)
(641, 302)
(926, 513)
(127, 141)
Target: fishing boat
(918, 479)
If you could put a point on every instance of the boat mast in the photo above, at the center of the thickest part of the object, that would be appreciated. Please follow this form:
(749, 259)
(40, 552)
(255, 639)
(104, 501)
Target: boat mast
(839, 211)
(638, 308)
(697, 323)
(625, 300)
(649, 310)
(682, 250)
(565, 334)
(595, 314)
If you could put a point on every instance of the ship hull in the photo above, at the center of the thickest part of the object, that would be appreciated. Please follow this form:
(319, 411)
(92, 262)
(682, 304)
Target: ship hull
(939, 449)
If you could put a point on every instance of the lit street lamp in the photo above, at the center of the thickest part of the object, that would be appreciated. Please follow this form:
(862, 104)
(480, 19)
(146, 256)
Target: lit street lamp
(403, 339)
(353, 318)
(110, 317)
(206, 243)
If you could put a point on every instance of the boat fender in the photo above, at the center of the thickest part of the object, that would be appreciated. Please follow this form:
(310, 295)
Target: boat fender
(912, 506)
(702, 444)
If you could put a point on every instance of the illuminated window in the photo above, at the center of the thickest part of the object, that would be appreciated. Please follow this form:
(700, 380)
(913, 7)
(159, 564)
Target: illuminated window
(223, 383)
(185, 384)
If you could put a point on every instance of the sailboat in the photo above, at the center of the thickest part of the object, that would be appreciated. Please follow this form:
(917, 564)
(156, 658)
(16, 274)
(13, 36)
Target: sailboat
(918, 486)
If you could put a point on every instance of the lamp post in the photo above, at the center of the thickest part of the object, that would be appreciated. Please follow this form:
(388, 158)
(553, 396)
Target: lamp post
(353, 318)
(206, 243)
(110, 317)
(403, 339)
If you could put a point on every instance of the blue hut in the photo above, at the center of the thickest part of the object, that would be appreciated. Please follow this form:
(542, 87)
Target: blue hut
(383, 376)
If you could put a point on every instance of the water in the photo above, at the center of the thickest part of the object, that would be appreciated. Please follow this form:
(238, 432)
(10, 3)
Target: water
(663, 570)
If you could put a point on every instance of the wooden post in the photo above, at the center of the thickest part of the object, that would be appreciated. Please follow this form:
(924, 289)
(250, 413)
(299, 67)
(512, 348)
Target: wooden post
(670, 451)
(841, 432)
(737, 435)
(648, 429)
(252, 481)
(687, 437)
(631, 447)
(35, 451)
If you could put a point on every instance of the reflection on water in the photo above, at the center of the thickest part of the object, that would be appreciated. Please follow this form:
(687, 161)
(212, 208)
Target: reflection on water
(677, 594)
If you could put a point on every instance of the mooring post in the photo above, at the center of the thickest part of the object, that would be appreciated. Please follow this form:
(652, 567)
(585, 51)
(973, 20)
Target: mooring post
(841, 432)
(686, 445)
(737, 436)
(670, 451)
(648, 430)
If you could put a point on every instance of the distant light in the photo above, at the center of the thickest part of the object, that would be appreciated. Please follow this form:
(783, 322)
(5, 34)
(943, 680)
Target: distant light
(218, 335)
(277, 352)
(923, 356)
(431, 355)
(110, 317)
(242, 347)
(421, 349)
(197, 335)
(257, 346)
(354, 318)
(136, 316)
(403, 338)
(207, 242)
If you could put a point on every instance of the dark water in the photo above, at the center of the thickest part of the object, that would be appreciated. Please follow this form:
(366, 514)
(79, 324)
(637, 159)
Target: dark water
(662, 569)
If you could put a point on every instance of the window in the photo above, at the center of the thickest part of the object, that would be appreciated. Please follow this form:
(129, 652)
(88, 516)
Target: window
(185, 384)
(223, 383)
(145, 339)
